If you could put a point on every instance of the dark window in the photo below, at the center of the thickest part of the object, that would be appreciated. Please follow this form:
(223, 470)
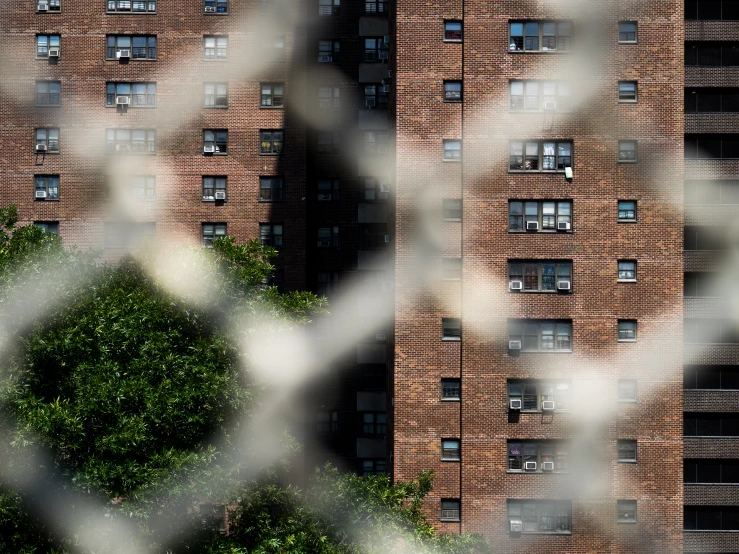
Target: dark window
(704, 285)
(271, 142)
(374, 467)
(143, 187)
(453, 30)
(131, 47)
(376, 6)
(540, 156)
(627, 31)
(711, 518)
(375, 50)
(270, 234)
(374, 424)
(537, 456)
(215, 141)
(541, 516)
(327, 283)
(213, 516)
(711, 146)
(711, 53)
(271, 189)
(451, 269)
(716, 10)
(142, 141)
(539, 95)
(216, 95)
(626, 451)
(627, 210)
(138, 95)
(704, 238)
(627, 270)
(451, 450)
(48, 93)
(450, 510)
(216, 48)
(329, 7)
(711, 471)
(451, 328)
(549, 215)
(328, 237)
(273, 95)
(216, 6)
(539, 276)
(626, 511)
(539, 36)
(541, 335)
(328, 143)
(627, 390)
(327, 189)
(327, 422)
(626, 330)
(374, 190)
(212, 231)
(452, 91)
(375, 96)
(712, 99)
(711, 377)
(328, 51)
(214, 185)
(627, 91)
(627, 151)
(44, 43)
(532, 392)
(134, 6)
(452, 209)
(452, 150)
(451, 389)
(51, 227)
(710, 425)
(46, 187)
(49, 138)
(710, 331)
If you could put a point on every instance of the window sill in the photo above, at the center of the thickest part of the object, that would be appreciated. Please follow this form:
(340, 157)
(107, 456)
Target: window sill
(553, 171)
(628, 101)
(132, 107)
(46, 153)
(453, 40)
(451, 460)
(624, 522)
(545, 52)
(448, 339)
(452, 161)
(130, 13)
(457, 279)
(50, 11)
(215, 107)
(626, 340)
(539, 112)
(452, 101)
(626, 221)
(626, 280)
(540, 291)
(537, 472)
(626, 461)
(534, 412)
(218, 60)
(47, 58)
(270, 201)
(628, 42)
(214, 200)
(542, 351)
(546, 533)
(271, 107)
(451, 399)
(449, 520)
(214, 154)
(628, 161)
(46, 199)
(268, 154)
(48, 106)
(132, 60)
(215, 13)
(452, 219)
(541, 232)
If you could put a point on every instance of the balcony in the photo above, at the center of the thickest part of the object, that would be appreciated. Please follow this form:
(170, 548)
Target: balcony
(710, 541)
(711, 354)
(711, 447)
(706, 308)
(712, 122)
(711, 401)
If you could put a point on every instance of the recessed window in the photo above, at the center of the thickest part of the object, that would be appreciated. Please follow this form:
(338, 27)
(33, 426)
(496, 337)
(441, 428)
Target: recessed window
(328, 51)
(452, 91)
(272, 95)
(328, 142)
(534, 96)
(48, 139)
(328, 189)
(540, 276)
(46, 43)
(215, 141)
(540, 36)
(137, 95)
(450, 510)
(131, 47)
(537, 456)
(627, 91)
(453, 31)
(451, 389)
(451, 269)
(212, 231)
(214, 188)
(710, 331)
(375, 50)
(537, 335)
(452, 150)
(46, 187)
(538, 215)
(541, 516)
(626, 330)
(451, 450)
(627, 270)
(215, 95)
(375, 190)
(216, 48)
(327, 284)
(216, 6)
(133, 6)
(627, 390)
(626, 451)
(452, 209)
(139, 141)
(271, 189)
(329, 7)
(213, 517)
(705, 53)
(626, 511)
(271, 142)
(627, 151)
(626, 211)
(451, 329)
(328, 237)
(51, 227)
(712, 100)
(270, 234)
(540, 156)
(711, 146)
(532, 392)
(627, 31)
(48, 93)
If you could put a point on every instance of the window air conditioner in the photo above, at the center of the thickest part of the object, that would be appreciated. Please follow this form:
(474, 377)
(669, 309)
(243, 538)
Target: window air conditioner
(568, 173)
(516, 285)
(209, 149)
(547, 466)
(209, 9)
(325, 59)
(54, 53)
(387, 238)
(529, 466)
(40, 194)
(516, 525)
(532, 225)
(514, 345)
(547, 405)
(40, 148)
(384, 187)
(383, 55)
(324, 197)
(564, 285)
(385, 88)
(563, 226)
(123, 54)
(515, 404)
(370, 102)
(122, 100)
(42, 7)
(550, 105)
(220, 195)
(386, 39)
(380, 337)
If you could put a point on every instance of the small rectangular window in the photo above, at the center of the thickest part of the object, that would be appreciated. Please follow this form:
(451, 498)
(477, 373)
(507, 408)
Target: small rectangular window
(452, 91)
(627, 32)
(46, 187)
(48, 93)
(626, 451)
(451, 269)
(137, 95)
(214, 188)
(539, 156)
(215, 141)
(452, 150)
(626, 511)
(627, 390)
(270, 234)
(627, 151)
(541, 516)
(271, 142)
(216, 47)
(216, 7)
(272, 95)
(453, 31)
(540, 335)
(375, 50)
(328, 189)
(539, 36)
(51, 227)
(131, 6)
(131, 47)
(451, 389)
(215, 95)
(626, 210)
(450, 510)
(547, 215)
(327, 422)
(452, 209)
(328, 237)
(627, 270)
(143, 187)
(626, 330)
(450, 450)
(376, 6)
(540, 276)
(451, 329)
(627, 91)
(373, 467)
(271, 189)
(329, 51)
(48, 139)
(537, 456)
(532, 392)
(140, 141)
(329, 98)
(329, 7)
(45, 43)
(51, 6)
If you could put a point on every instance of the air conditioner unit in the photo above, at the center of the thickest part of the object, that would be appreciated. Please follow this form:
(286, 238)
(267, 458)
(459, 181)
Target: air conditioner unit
(568, 173)
(532, 225)
(210, 9)
(382, 55)
(220, 195)
(564, 285)
(380, 337)
(387, 238)
(529, 466)
(40, 148)
(324, 197)
(547, 405)
(54, 53)
(42, 7)
(514, 345)
(386, 39)
(563, 226)
(516, 525)
(385, 89)
(515, 285)
(384, 187)
(122, 100)
(123, 54)
(515, 404)
(550, 105)
(547, 466)
(209, 149)
(40, 194)
(325, 59)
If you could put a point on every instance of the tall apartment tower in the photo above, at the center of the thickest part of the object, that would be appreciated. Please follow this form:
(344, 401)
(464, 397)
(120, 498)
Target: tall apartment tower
(538, 325)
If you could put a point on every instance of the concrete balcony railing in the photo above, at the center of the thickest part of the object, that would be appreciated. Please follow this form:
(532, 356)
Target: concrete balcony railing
(711, 401)
(711, 30)
(711, 495)
(711, 447)
(711, 76)
(711, 541)
(712, 122)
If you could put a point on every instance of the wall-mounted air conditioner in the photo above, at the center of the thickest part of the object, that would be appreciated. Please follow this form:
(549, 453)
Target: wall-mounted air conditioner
(514, 345)
(515, 285)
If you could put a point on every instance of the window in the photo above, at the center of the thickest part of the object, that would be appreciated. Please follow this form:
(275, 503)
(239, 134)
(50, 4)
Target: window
(451, 389)
(541, 335)
(212, 185)
(375, 50)
(374, 423)
(450, 510)
(216, 95)
(710, 331)
(329, 7)
(451, 450)
(451, 269)
(711, 377)
(270, 234)
(710, 425)
(542, 516)
(716, 10)
(49, 6)
(374, 190)
(711, 471)
(327, 283)
(704, 285)
(712, 100)
(327, 422)
(139, 95)
(627, 270)
(539, 276)
(273, 95)
(711, 518)
(627, 91)
(626, 511)
(51, 227)
(626, 211)
(328, 98)
(271, 142)
(143, 187)
(48, 93)
(452, 150)
(213, 516)
(549, 215)
(521, 454)
(46, 42)
(141, 141)
(705, 53)
(271, 189)
(711, 146)
(626, 451)
(328, 237)
(328, 51)
(328, 189)
(376, 142)
(532, 392)
(211, 232)
(138, 47)
(46, 187)
(376, 6)
(375, 96)
(452, 91)
(626, 330)
(48, 137)
(453, 31)
(452, 209)
(216, 6)
(127, 234)
(540, 156)
(276, 49)
(540, 36)
(328, 143)
(451, 329)
(627, 31)
(216, 48)
(539, 95)
(373, 467)
(626, 151)
(704, 238)
(135, 6)
(627, 390)
(215, 141)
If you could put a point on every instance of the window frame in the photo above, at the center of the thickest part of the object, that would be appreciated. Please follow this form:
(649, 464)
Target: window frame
(559, 217)
(559, 454)
(47, 140)
(219, 53)
(450, 453)
(626, 210)
(379, 53)
(215, 95)
(529, 326)
(624, 97)
(516, 511)
(453, 273)
(271, 179)
(148, 49)
(542, 389)
(215, 4)
(627, 40)
(45, 226)
(219, 182)
(448, 32)
(332, 188)
(266, 136)
(621, 445)
(446, 145)
(49, 183)
(376, 463)
(150, 98)
(40, 84)
(541, 96)
(271, 96)
(221, 145)
(452, 384)
(452, 505)
(53, 6)
(128, 234)
(272, 234)
(541, 158)
(49, 37)
(557, 275)
(627, 330)
(329, 48)
(619, 269)
(329, 7)
(451, 329)
(377, 95)
(623, 507)
(564, 39)
(148, 190)
(452, 96)
(207, 239)
(627, 399)
(328, 234)
(131, 11)
(381, 7)
(327, 422)
(150, 141)
(622, 159)
(374, 424)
